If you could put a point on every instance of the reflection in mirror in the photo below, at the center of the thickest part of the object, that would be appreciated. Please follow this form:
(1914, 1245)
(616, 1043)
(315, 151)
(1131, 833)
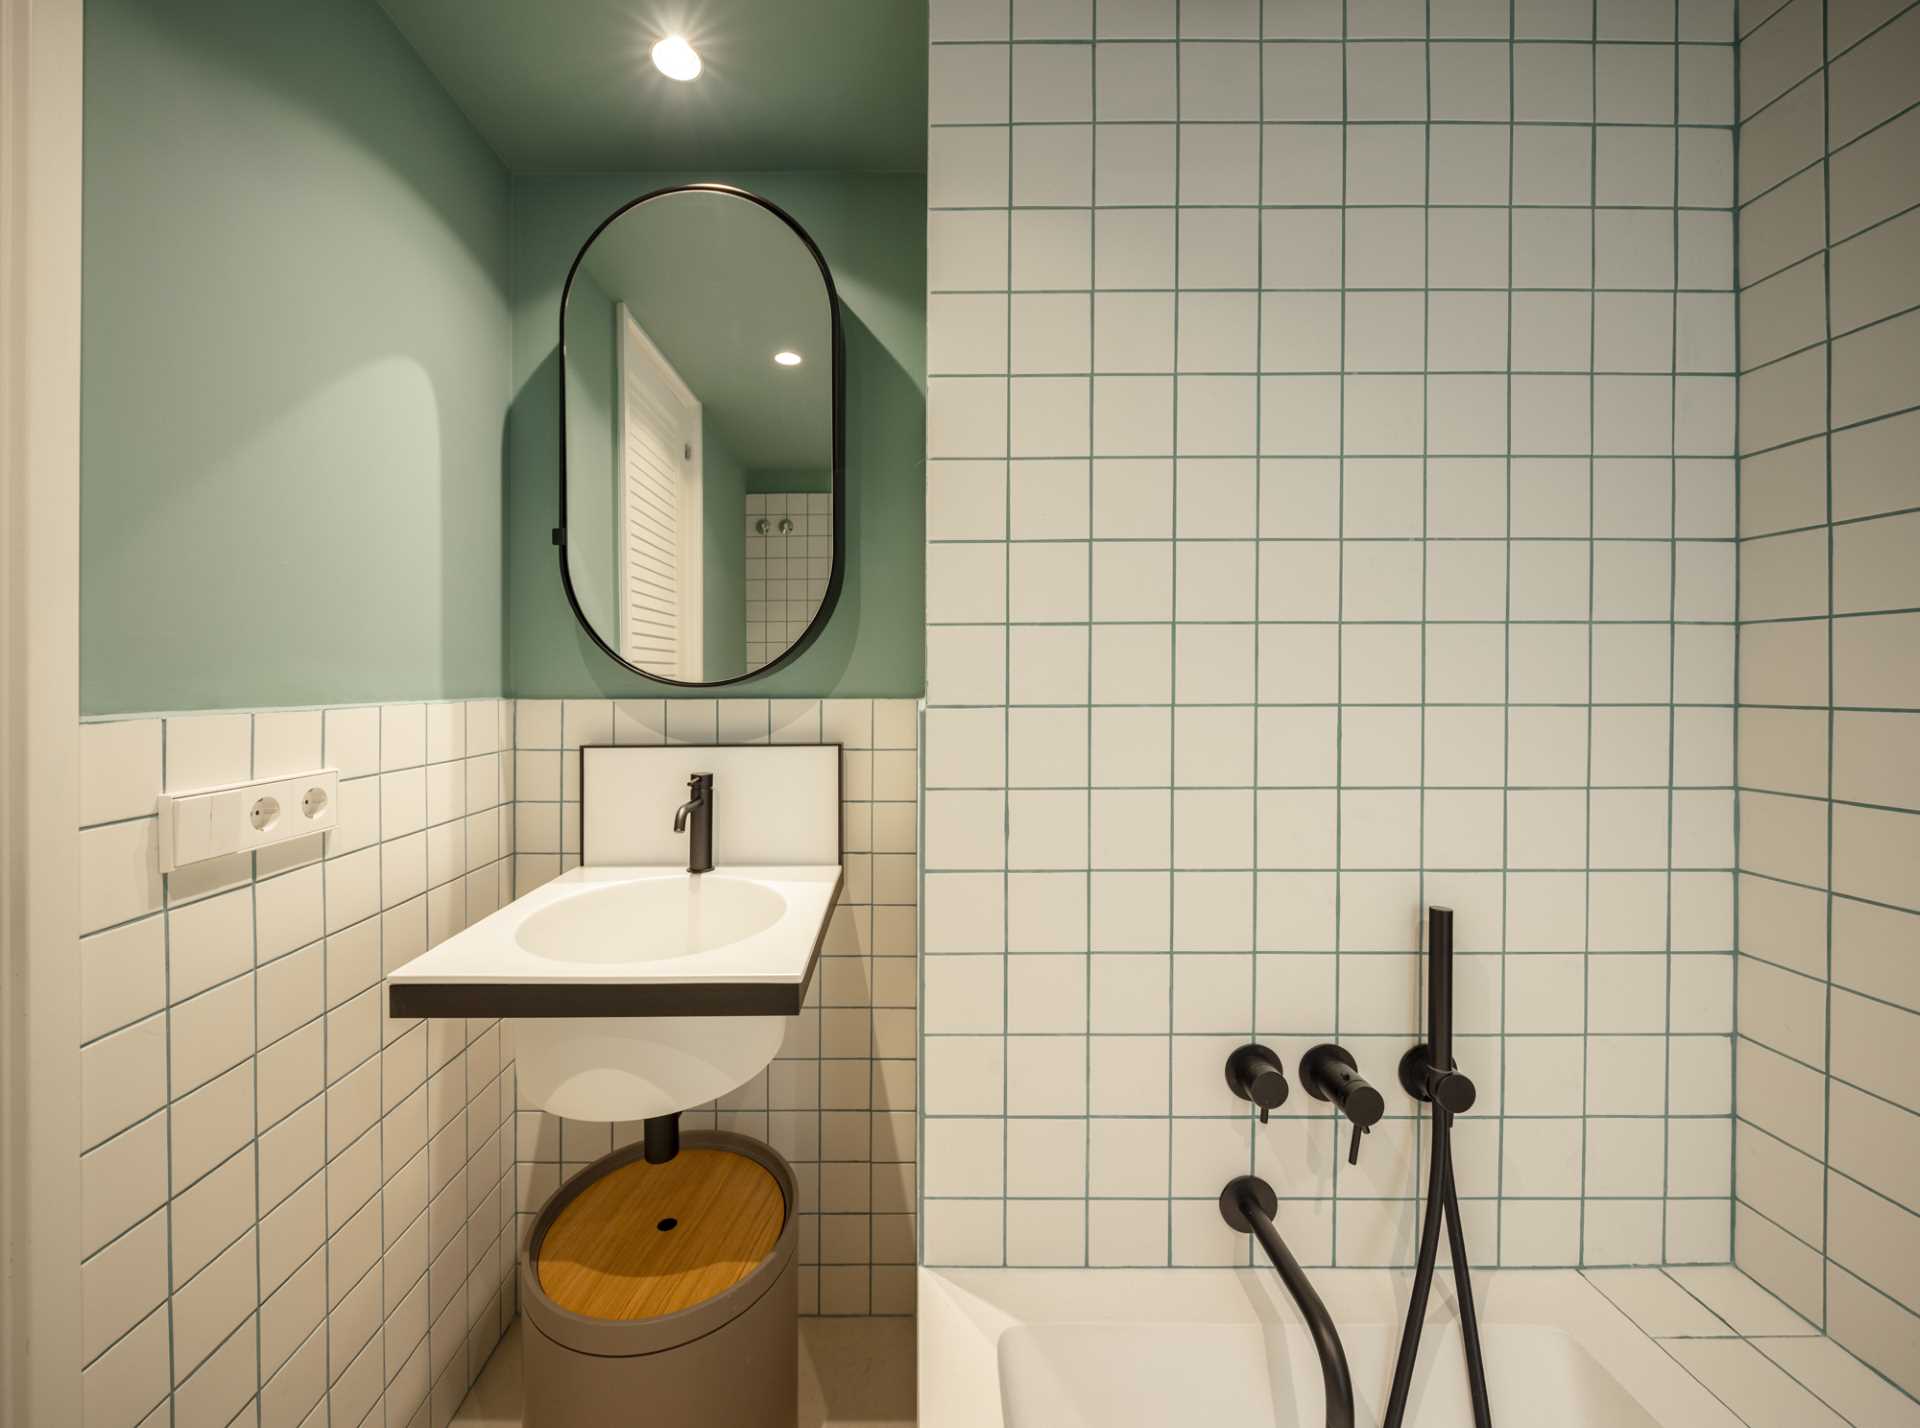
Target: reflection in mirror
(700, 343)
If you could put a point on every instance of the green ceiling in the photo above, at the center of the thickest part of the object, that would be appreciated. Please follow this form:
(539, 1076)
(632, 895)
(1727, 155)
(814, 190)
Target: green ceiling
(566, 86)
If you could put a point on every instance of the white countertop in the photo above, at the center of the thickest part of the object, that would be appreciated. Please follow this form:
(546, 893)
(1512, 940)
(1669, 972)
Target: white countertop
(491, 951)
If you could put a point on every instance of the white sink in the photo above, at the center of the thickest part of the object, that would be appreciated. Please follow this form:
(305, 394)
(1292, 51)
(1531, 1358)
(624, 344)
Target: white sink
(652, 919)
(638, 991)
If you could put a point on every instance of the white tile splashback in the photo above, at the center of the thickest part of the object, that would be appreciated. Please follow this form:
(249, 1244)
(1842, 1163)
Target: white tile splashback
(771, 806)
(292, 1205)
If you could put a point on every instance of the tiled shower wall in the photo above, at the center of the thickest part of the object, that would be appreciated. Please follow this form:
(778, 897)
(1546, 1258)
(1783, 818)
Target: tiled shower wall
(296, 1211)
(1827, 1182)
(1331, 512)
(838, 1100)
(786, 573)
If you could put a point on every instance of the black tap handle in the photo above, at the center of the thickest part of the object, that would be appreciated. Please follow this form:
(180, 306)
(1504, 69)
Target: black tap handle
(1255, 1074)
(1353, 1150)
(1330, 1073)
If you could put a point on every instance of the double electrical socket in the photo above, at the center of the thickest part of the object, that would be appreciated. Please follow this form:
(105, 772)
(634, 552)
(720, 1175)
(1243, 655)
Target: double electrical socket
(242, 817)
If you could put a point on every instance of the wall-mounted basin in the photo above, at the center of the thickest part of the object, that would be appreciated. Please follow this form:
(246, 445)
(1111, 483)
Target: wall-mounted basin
(634, 992)
(651, 919)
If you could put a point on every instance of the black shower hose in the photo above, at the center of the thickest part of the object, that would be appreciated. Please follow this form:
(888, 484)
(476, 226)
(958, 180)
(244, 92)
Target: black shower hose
(1442, 1198)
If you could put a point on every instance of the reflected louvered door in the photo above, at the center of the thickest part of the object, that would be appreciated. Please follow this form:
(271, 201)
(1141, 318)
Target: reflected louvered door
(655, 448)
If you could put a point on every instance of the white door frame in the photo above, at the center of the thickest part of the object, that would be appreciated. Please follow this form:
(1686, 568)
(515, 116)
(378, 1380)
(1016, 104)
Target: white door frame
(40, 156)
(691, 525)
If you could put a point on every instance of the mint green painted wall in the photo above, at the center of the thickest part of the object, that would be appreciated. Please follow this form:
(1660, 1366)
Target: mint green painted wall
(872, 229)
(295, 374)
(723, 559)
(764, 479)
(592, 435)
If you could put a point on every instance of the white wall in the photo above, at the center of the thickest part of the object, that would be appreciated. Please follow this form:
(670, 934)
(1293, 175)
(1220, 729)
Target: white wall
(1829, 744)
(1331, 512)
(291, 1203)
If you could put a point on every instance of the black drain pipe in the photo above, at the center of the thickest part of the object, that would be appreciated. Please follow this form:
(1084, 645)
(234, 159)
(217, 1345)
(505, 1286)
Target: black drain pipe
(1429, 1074)
(1248, 1204)
(660, 1138)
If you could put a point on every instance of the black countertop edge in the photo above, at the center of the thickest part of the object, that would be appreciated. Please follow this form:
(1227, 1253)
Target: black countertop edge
(564, 999)
(571, 999)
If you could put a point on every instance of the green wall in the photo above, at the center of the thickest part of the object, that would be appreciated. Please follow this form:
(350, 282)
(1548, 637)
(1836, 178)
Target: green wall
(723, 559)
(593, 429)
(872, 229)
(295, 375)
(765, 479)
(319, 380)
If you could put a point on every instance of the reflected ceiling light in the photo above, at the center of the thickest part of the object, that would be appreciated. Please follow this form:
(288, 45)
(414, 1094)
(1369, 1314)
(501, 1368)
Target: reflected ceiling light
(787, 359)
(676, 59)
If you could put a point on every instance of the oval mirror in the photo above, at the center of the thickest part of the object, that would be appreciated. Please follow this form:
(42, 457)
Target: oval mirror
(701, 500)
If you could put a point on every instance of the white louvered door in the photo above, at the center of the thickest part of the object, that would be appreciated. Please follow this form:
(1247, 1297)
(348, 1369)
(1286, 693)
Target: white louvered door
(659, 531)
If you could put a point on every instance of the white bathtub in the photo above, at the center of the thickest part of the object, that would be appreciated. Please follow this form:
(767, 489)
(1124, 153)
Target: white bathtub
(1037, 1348)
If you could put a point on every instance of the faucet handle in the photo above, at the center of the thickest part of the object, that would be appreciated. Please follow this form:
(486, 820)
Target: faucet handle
(1353, 1146)
(1330, 1073)
(1254, 1073)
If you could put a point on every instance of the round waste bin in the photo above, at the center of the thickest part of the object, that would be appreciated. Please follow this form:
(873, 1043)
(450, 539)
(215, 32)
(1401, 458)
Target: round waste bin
(665, 1295)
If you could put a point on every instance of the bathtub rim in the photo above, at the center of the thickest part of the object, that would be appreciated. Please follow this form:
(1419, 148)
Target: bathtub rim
(963, 1312)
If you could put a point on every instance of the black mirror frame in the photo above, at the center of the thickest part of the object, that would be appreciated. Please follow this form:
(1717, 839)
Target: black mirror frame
(837, 575)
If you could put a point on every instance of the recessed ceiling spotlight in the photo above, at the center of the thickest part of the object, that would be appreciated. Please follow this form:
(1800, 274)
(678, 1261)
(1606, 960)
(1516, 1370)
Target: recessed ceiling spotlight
(787, 359)
(676, 59)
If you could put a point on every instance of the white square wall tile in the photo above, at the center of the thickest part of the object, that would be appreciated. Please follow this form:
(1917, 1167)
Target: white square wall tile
(968, 84)
(204, 750)
(122, 976)
(119, 769)
(122, 1283)
(122, 1079)
(122, 1182)
(119, 873)
(130, 1378)
(209, 942)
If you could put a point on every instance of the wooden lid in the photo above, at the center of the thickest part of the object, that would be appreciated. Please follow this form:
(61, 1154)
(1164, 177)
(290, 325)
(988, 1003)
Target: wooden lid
(647, 1240)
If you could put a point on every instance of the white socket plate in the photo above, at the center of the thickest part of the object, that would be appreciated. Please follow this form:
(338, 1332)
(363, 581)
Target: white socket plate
(205, 823)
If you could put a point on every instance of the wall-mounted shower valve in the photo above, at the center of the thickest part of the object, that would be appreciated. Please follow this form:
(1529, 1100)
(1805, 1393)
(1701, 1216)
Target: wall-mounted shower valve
(1448, 1088)
(1330, 1073)
(1254, 1073)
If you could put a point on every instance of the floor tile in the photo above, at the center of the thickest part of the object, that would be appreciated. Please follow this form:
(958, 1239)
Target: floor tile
(495, 1399)
(854, 1373)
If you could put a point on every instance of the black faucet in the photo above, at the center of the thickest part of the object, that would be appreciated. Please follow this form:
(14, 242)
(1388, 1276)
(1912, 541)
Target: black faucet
(1330, 1073)
(700, 807)
(1248, 1205)
(1255, 1074)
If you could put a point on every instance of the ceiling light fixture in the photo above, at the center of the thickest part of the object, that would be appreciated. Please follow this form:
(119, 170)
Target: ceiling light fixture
(676, 59)
(787, 359)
